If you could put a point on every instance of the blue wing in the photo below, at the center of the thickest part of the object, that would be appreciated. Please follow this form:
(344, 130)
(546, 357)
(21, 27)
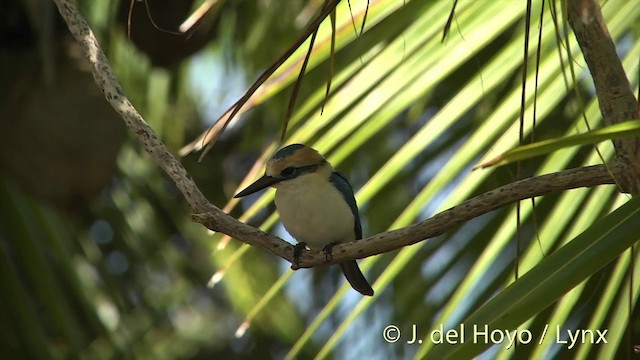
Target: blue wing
(342, 184)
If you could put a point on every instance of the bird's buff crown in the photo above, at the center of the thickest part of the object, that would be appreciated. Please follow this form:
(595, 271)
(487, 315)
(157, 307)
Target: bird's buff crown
(295, 155)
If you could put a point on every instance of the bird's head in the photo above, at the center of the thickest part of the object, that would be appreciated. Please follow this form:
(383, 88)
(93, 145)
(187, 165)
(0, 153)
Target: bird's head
(291, 163)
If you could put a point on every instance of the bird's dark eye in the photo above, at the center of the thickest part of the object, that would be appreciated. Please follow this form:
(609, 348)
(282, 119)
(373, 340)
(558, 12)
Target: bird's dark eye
(288, 172)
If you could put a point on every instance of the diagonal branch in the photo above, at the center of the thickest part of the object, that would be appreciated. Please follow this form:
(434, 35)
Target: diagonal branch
(615, 96)
(113, 93)
(217, 220)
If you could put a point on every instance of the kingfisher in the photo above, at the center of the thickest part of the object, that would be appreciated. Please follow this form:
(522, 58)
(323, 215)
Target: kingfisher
(315, 203)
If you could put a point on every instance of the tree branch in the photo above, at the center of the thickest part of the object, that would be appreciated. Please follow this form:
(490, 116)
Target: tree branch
(113, 93)
(216, 220)
(447, 220)
(615, 96)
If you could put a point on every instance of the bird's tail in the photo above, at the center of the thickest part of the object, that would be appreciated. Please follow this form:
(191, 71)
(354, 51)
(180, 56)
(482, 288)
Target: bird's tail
(356, 279)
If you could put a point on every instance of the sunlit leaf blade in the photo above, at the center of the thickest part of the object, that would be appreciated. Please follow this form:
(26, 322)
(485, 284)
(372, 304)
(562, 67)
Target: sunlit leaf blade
(618, 131)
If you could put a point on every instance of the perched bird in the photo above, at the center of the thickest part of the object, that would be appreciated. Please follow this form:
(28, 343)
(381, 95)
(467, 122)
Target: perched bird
(315, 202)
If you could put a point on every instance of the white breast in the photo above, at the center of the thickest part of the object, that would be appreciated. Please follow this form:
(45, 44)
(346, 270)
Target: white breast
(314, 212)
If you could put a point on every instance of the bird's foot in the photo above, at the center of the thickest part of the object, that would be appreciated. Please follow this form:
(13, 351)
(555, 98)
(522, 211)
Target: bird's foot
(297, 251)
(327, 251)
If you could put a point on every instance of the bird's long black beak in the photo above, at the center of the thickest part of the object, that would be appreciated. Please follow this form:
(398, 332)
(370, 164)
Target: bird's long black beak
(258, 185)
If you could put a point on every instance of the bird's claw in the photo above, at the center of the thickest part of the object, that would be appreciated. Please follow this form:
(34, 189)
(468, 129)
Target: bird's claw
(327, 251)
(297, 251)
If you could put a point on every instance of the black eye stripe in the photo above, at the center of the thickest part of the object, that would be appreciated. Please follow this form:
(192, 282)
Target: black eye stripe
(292, 172)
(288, 172)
